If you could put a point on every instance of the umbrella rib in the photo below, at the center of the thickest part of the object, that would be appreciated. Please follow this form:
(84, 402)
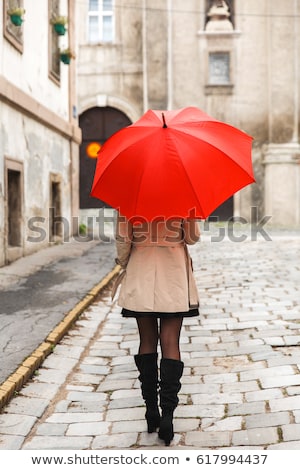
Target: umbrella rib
(179, 131)
(214, 147)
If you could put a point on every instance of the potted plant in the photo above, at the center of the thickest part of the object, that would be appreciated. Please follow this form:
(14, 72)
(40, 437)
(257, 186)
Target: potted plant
(66, 55)
(16, 15)
(59, 24)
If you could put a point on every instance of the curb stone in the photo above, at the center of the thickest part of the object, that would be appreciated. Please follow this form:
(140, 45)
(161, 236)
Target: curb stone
(25, 371)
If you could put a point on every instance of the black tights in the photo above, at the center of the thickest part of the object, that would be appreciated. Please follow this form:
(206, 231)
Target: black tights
(168, 334)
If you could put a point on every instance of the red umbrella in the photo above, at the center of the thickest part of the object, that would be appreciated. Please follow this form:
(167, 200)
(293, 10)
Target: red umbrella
(180, 163)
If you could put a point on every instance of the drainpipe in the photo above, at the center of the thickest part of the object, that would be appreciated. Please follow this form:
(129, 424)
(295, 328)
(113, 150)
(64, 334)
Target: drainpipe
(75, 140)
(296, 108)
(269, 72)
(170, 57)
(145, 64)
(296, 64)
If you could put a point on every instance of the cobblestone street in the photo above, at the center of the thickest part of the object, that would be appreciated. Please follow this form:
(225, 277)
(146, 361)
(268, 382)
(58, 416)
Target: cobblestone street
(241, 382)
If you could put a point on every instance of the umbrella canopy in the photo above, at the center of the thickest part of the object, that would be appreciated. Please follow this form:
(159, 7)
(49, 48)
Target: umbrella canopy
(180, 163)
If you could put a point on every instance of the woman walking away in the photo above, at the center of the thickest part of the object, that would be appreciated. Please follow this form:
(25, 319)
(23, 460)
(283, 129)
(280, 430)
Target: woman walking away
(158, 289)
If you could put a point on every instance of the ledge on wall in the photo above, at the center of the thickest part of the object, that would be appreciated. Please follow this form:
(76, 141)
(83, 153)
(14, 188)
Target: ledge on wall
(219, 89)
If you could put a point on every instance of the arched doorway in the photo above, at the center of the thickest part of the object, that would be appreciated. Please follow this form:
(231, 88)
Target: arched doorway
(97, 125)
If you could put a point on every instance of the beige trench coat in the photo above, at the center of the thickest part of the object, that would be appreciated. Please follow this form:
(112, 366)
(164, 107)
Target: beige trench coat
(157, 274)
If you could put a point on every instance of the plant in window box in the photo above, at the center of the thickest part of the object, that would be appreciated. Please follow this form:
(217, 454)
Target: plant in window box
(66, 55)
(16, 15)
(59, 24)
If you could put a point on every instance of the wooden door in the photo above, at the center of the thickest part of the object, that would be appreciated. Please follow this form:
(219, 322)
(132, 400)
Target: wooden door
(97, 125)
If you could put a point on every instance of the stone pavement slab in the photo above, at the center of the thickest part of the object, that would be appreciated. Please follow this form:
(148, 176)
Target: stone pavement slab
(239, 389)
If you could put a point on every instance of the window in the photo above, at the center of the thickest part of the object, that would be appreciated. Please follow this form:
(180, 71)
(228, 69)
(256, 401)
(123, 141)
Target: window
(101, 21)
(13, 33)
(56, 221)
(219, 68)
(54, 59)
(14, 207)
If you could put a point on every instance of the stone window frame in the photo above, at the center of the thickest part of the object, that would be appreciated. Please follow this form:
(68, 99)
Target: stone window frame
(213, 80)
(13, 34)
(219, 88)
(54, 67)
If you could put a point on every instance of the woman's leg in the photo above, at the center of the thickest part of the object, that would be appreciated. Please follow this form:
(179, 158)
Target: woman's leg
(148, 331)
(171, 369)
(146, 362)
(170, 329)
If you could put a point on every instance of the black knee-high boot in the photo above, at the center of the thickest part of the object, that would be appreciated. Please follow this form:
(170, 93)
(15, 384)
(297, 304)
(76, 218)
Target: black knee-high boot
(170, 374)
(147, 366)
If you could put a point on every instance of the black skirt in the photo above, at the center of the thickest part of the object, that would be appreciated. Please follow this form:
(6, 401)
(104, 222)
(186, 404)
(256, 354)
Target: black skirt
(194, 312)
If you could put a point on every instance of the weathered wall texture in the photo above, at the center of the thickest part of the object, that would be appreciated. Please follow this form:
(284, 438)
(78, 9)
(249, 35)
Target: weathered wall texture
(39, 136)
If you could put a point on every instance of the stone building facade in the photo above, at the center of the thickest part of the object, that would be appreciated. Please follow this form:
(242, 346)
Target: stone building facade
(238, 60)
(39, 132)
